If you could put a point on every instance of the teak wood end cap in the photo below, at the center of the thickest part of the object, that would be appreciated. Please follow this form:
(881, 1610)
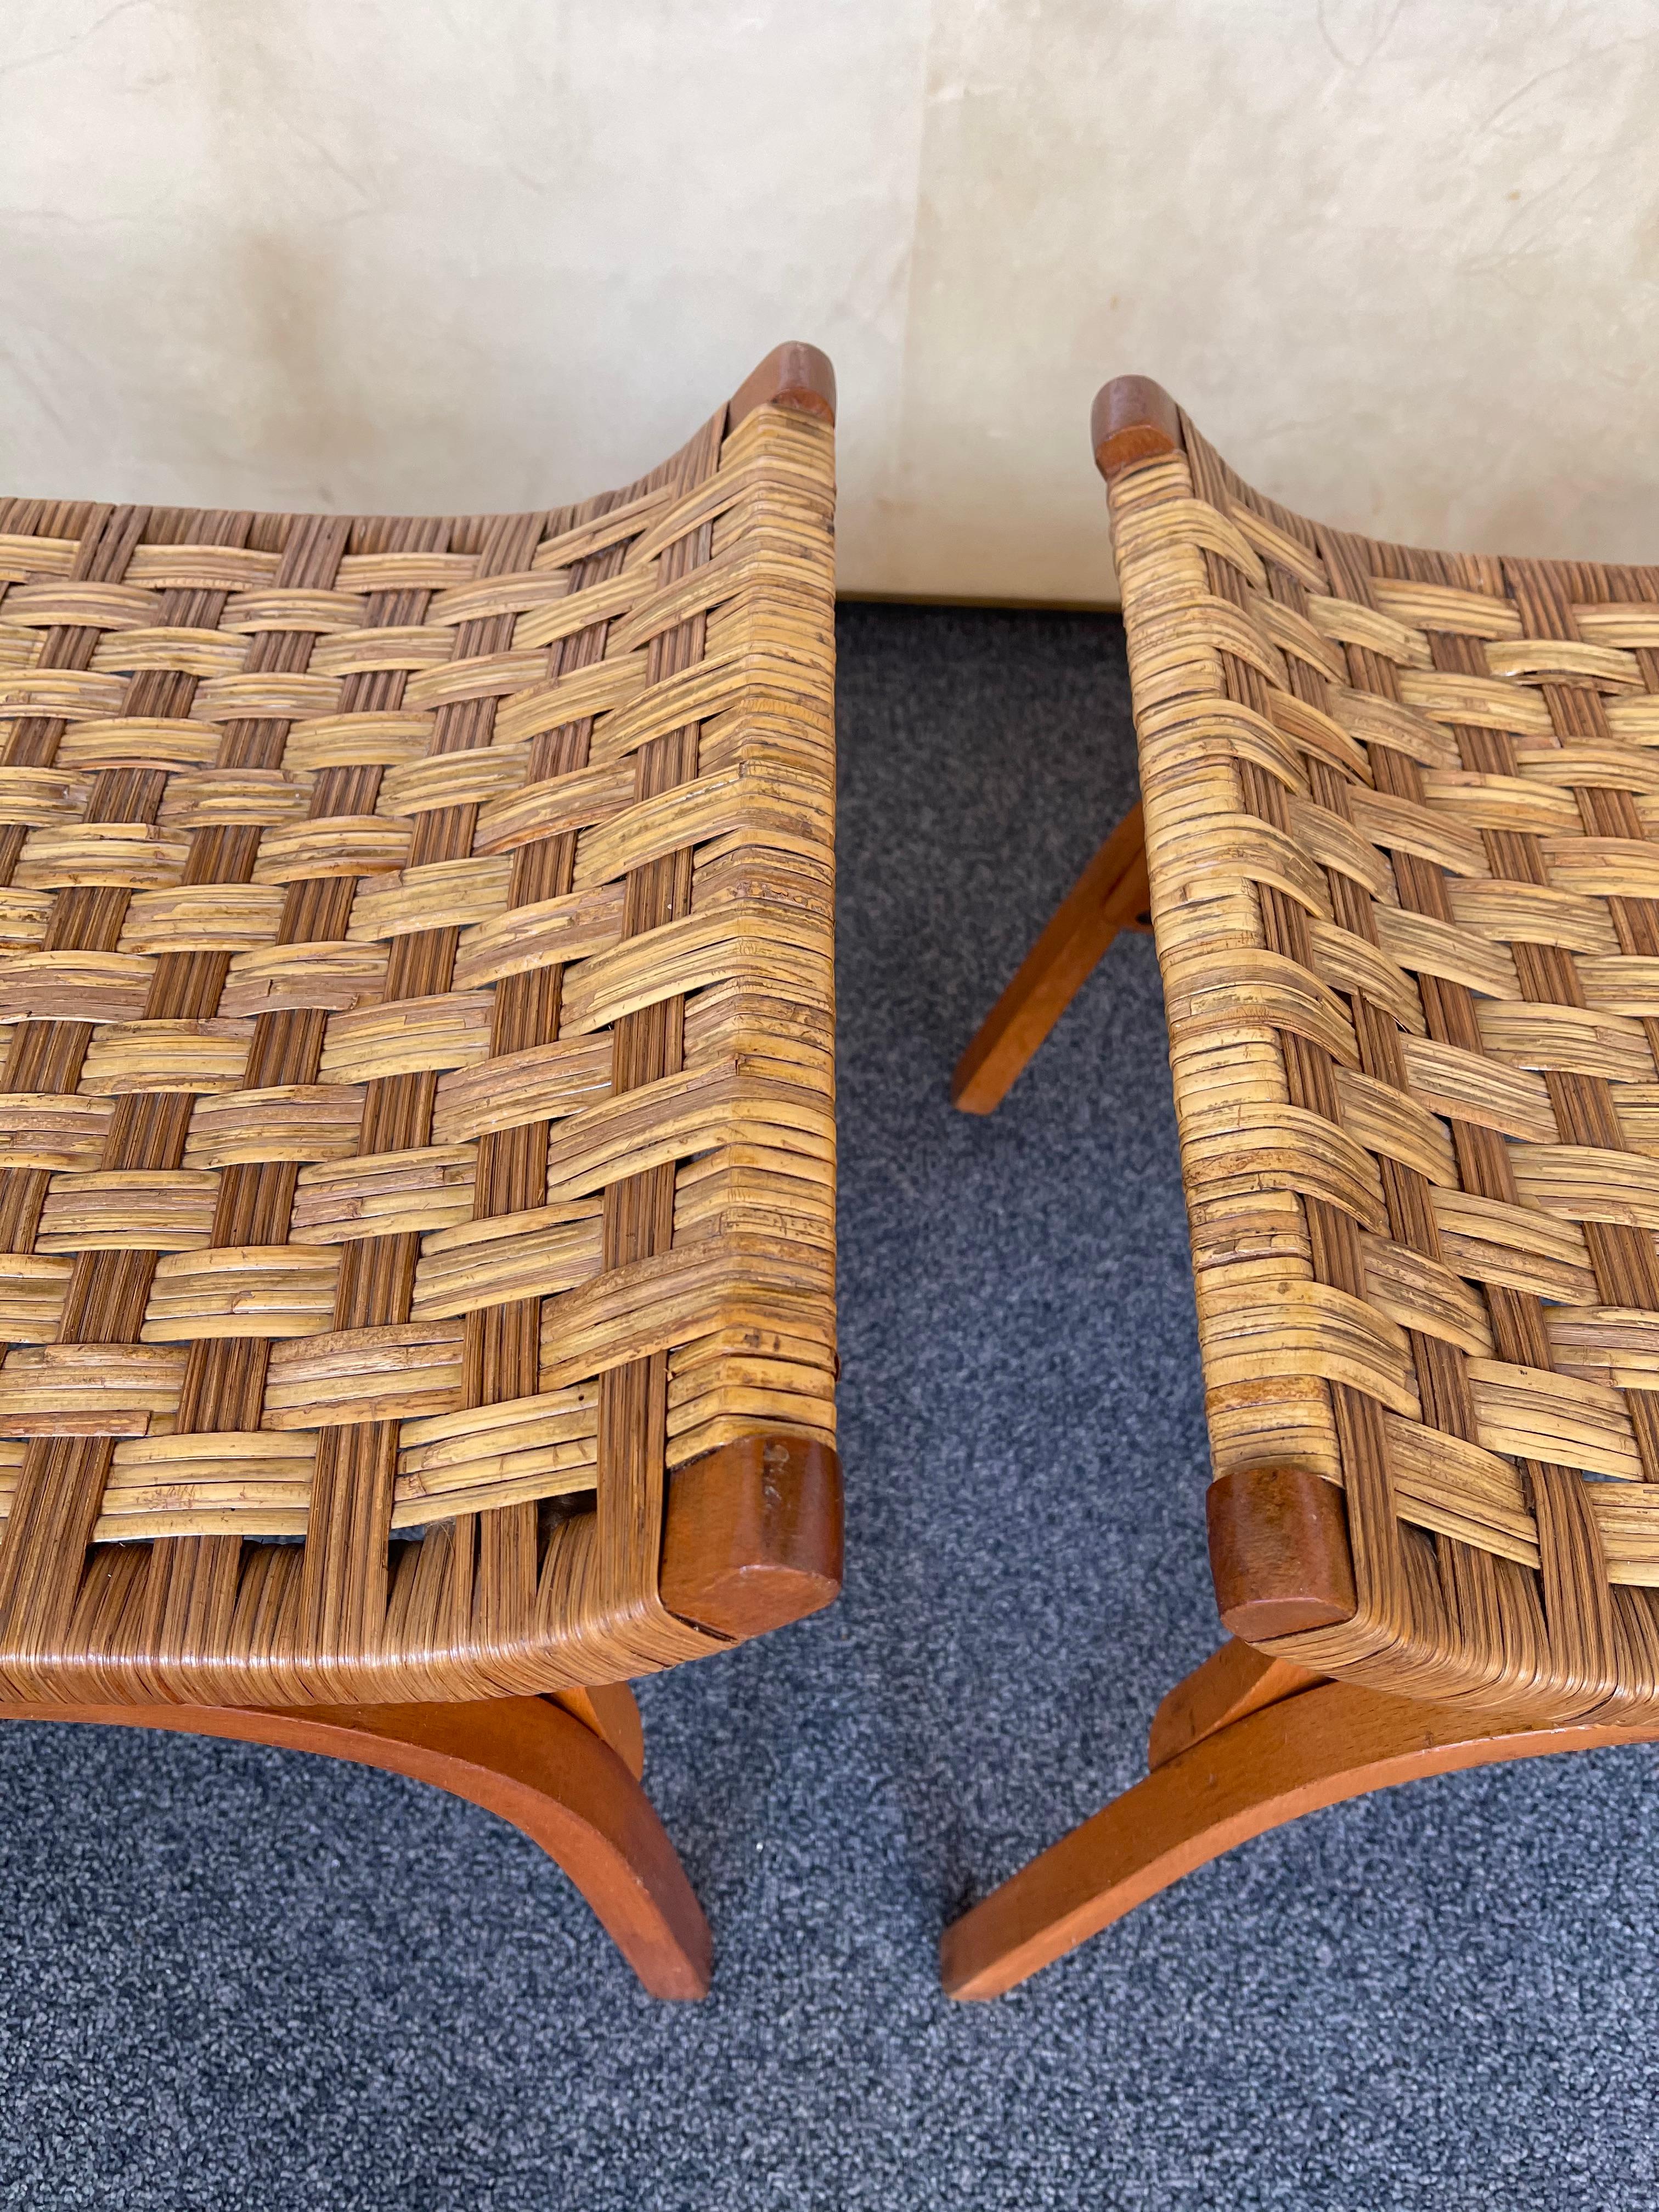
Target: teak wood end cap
(1132, 419)
(753, 1537)
(1278, 1551)
(794, 375)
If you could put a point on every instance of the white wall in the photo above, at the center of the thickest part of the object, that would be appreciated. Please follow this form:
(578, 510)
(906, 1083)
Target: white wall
(1399, 257)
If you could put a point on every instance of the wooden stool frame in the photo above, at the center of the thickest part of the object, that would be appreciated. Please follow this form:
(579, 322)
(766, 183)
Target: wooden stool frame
(1251, 1740)
(744, 1534)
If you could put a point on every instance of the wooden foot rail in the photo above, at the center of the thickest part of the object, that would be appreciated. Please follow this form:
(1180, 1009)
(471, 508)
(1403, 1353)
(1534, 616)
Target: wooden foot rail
(1234, 1778)
(529, 1760)
(1110, 894)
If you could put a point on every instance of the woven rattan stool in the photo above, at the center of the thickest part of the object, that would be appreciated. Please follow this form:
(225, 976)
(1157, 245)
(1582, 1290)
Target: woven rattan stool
(417, 1224)
(1401, 814)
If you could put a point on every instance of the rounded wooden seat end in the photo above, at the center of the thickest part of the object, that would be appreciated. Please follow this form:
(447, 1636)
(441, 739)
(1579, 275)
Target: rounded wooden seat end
(1278, 1551)
(794, 374)
(1132, 419)
(753, 1537)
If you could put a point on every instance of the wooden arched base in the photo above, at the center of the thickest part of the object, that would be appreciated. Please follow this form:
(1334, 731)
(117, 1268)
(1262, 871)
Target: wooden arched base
(752, 1539)
(1110, 896)
(1243, 1745)
(569, 1783)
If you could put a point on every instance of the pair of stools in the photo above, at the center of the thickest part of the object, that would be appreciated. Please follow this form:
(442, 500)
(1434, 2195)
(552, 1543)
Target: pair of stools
(417, 1134)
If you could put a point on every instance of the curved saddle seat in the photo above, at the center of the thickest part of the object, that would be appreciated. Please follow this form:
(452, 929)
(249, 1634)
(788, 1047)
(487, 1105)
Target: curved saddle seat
(418, 1115)
(1399, 843)
(1397, 808)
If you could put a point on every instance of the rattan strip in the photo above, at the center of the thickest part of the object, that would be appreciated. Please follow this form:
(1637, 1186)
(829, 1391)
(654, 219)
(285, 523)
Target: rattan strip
(364, 876)
(1404, 910)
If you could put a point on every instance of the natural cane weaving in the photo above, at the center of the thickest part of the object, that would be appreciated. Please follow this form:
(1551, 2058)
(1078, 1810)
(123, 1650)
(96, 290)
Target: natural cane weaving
(418, 1114)
(1402, 824)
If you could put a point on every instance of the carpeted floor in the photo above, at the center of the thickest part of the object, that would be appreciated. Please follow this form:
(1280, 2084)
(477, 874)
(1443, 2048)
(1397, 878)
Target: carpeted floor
(230, 1977)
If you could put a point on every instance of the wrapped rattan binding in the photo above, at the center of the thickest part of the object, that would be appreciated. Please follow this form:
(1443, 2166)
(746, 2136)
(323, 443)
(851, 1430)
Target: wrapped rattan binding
(1402, 827)
(418, 1106)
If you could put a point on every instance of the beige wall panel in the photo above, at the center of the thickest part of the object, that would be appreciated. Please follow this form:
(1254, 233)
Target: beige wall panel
(404, 255)
(1399, 257)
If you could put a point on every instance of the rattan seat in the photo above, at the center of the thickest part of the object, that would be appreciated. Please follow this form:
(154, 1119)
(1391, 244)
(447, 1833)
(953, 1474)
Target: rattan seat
(418, 1107)
(1399, 842)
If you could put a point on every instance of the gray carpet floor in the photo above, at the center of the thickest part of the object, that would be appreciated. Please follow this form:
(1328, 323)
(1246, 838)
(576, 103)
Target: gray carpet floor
(233, 1977)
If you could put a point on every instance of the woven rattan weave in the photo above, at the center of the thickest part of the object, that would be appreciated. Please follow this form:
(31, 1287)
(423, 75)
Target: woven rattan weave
(417, 1122)
(1399, 841)
(1402, 830)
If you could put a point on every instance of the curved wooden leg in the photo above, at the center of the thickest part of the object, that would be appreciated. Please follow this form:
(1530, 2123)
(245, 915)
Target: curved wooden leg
(527, 1759)
(1110, 894)
(1314, 1748)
